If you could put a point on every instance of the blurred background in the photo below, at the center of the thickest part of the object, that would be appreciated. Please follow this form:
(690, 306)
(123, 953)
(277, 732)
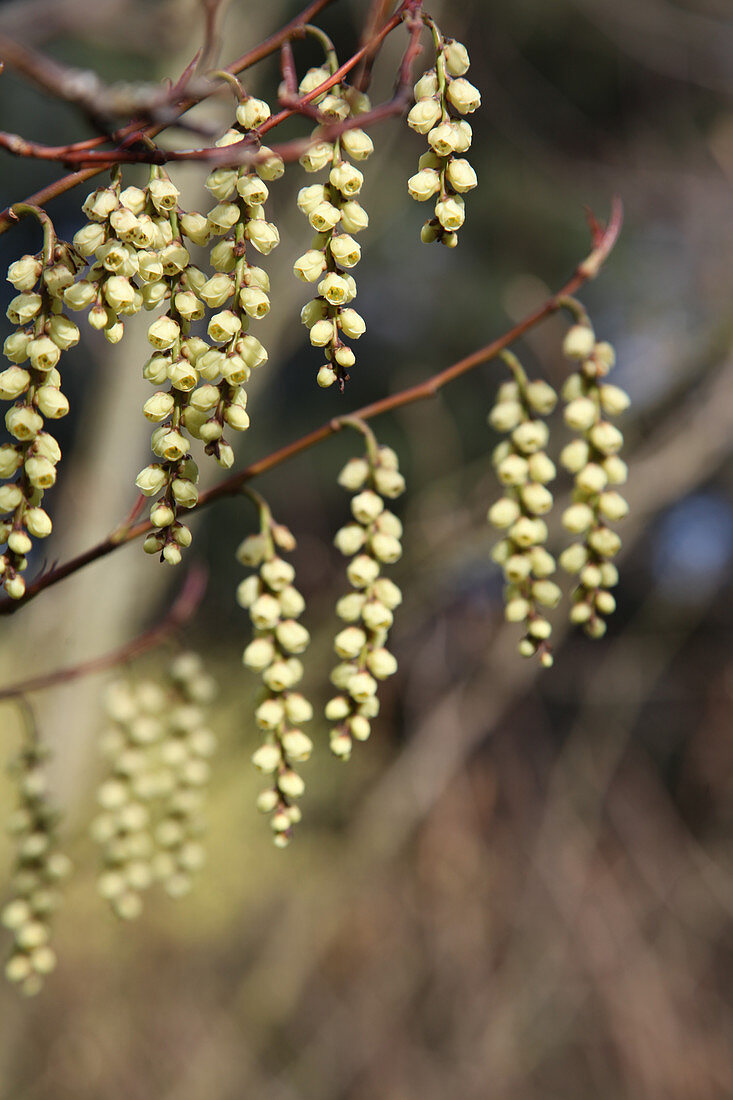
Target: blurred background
(521, 887)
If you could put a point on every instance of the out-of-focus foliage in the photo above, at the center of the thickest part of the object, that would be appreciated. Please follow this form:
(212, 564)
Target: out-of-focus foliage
(523, 886)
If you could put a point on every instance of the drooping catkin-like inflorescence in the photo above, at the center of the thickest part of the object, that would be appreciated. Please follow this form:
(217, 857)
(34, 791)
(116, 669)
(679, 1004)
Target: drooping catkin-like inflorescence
(525, 470)
(39, 868)
(33, 384)
(158, 745)
(168, 270)
(442, 96)
(238, 291)
(371, 541)
(590, 404)
(334, 212)
(275, 606)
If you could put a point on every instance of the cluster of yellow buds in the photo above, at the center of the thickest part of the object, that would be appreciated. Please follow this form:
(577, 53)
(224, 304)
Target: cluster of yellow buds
(372, 541)
(33, 384)
(274, 606)
(335, 214)
(593, 459)
(171, 481)
(238, 291)
(442, 96)
(39, 868)
(125, 241)
(159, 746)
(525, 470)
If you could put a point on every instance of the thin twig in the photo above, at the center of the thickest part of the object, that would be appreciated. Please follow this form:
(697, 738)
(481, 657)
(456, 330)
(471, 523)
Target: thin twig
(258, 53)
(603, 242)
(180, 613)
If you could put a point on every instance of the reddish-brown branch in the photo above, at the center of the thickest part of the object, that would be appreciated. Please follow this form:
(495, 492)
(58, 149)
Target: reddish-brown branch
(239, 153)
(251, 57)
(603, 242)
(180, 613)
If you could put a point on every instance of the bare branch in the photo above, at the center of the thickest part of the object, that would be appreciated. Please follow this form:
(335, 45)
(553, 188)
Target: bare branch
(234, 484)
(180, 613)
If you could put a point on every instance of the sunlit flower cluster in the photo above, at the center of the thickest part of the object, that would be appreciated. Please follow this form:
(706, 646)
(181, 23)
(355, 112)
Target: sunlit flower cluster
(525, 471)
(372, 540)
(335, 214)
(274, 606)
(39, 868)
(237, 292)
(158, 745)
(592, 457)
(442, 97)
(32, 383)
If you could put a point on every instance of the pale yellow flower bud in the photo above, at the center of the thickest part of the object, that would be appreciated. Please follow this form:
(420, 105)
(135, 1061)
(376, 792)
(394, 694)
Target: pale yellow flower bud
(15, 347)
(357, 144)
(616, 470)
(389, 483)
(196, 227)
(362, 571)
(334, 289)
(351, 323)
(575, 455)
(223, 217)
(463, 96)
(451, 213)
(541, 468)
(13, 382)
(269, 166)
(579, 342)
(267, 758)
(163, 333)
(277, 573)
(224, 326)
(347, 179)
(350, 539)
(263, 235)
(50, 401)
(424, 115)
(253, 112)
(23, 308)
(461, 175)
(321, 333)
(577, 518)
(581, 414)
(252, 190)
(606, 437)
(612, 505)
(456, 57)
(324, 217)
(354, 474)
(354, 217)
(184, 492)
(345, 250)
(614, 400)
(591, 479)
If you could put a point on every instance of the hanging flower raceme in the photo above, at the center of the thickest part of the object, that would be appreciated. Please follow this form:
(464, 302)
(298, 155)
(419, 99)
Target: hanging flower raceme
(238, 291)
(525, 470)
(32, 383)
(158, 744)
(442, 96)
(371, 541)
(335, 214)
(118, 241)
(39, 868)
(275, 606)
(590, 405)
(172, 479)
